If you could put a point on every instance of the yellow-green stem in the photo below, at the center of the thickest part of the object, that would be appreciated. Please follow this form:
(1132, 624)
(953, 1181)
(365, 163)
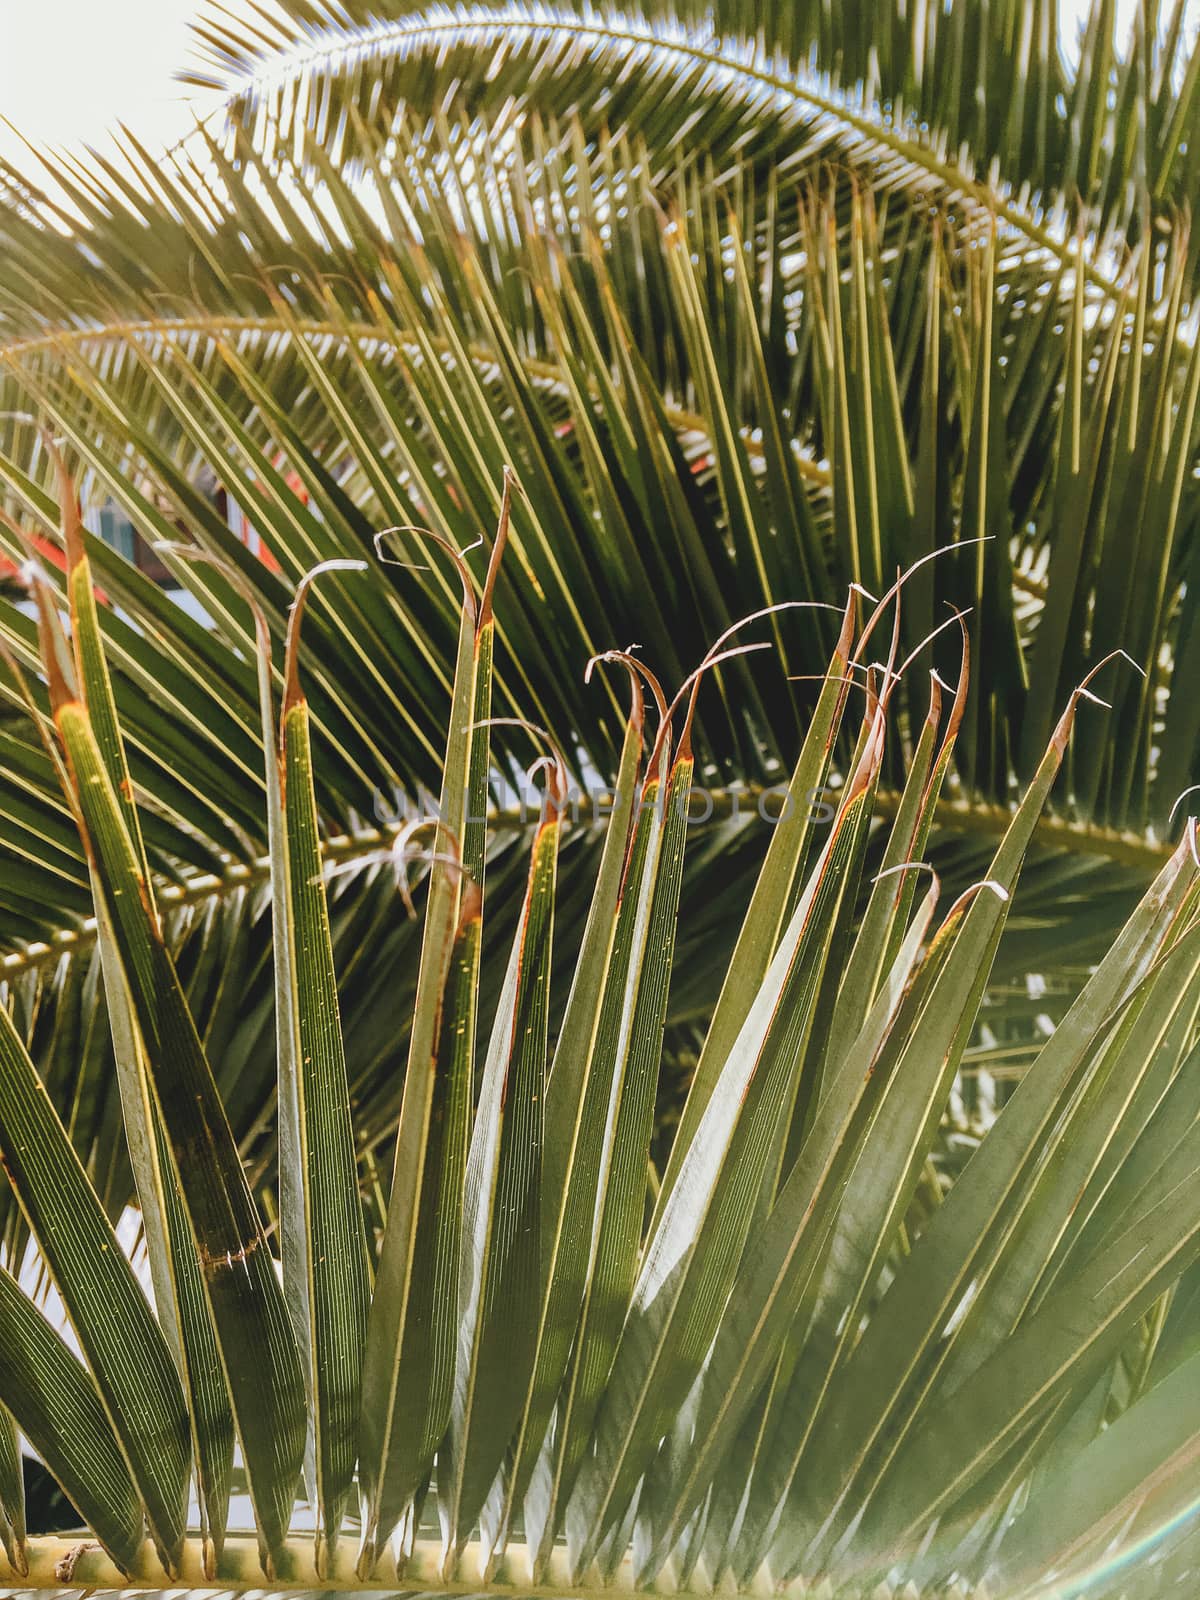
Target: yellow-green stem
(1142, 852)
(57, 1563)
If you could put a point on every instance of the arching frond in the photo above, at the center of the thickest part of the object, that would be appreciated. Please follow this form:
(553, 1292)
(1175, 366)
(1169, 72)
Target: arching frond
(738, 1351)
(962, 103)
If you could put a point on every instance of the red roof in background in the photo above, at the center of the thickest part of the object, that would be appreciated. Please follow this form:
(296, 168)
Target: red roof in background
(50, 552)
(296, 484)
(53, 555)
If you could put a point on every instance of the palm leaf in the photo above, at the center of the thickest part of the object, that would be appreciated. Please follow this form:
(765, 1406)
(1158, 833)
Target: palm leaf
(794, 302)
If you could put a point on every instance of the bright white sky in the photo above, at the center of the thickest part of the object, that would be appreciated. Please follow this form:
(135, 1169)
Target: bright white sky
(70, 69)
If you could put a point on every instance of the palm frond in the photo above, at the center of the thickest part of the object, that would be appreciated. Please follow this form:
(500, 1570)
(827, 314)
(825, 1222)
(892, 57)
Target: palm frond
(917, 98)
(379, 419)
(671, 1347)
(672, 1118)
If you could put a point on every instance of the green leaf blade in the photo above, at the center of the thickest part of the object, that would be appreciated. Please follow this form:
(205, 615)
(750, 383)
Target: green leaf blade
(122, 1343)
(500, 1274)
(331, 1261)
(241, 1287)
(57, 1406)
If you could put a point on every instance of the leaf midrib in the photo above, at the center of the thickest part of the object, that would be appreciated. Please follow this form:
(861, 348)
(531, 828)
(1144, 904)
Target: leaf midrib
(1143, 852)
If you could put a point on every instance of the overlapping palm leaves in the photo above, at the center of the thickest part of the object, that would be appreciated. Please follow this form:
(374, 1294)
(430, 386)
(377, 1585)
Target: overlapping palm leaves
(543, 346)
(792, 300)
(754, 1360)
(705, 421)
(946, 100)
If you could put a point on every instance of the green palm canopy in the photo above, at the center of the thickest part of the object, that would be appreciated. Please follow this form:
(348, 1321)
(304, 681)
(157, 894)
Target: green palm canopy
(761, 305)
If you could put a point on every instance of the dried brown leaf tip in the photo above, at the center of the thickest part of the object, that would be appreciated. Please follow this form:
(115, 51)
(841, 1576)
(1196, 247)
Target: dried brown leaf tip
(470, 604)
(70, 512)
(511, 485)
(639, 672)
(403, 851)
(293, 694)
(1062, 733)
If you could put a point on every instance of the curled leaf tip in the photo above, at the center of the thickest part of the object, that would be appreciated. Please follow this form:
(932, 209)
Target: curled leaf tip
(538, 732)
(1112, 655)
(456, 555)
(638, 672)
(235, 579)
(910, 866)
(511, 483)
(1179, 799)
(292, 692)
(637, 706)
(402, 853)
(969, 894)
(1083, 691)
(556, 785)
(395, 561)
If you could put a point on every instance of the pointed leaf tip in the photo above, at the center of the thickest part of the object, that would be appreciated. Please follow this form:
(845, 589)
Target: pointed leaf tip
(511, 482)
(52, 642)
(1062, 733)
(68, 505)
